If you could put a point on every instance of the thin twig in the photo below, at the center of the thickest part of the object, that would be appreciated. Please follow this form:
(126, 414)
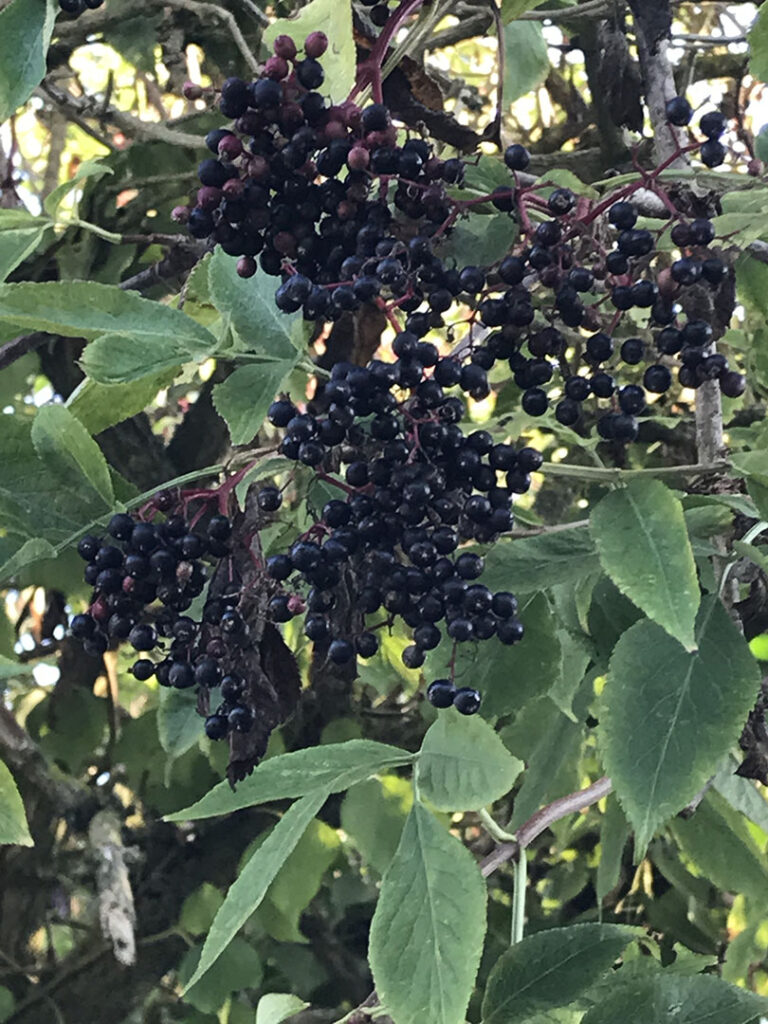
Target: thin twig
(543, 819)
(220, 12)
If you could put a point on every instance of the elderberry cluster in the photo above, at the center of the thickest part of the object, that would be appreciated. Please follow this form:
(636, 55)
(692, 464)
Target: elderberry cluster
(417, 487)
(145, 576)
(307, 187)
(78, 7)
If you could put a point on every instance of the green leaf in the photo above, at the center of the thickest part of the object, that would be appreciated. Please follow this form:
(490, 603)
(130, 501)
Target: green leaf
(668, 716)
(428, 928)
(275, 1007)
(614, 833)
(244, 397)
(508, 677)
(339, 61)
(373, 815)
(535, 563)
(178, 723)
(718, 842)
(550, 763)
(239, 967)
(122, 358)
(742, 794)
(135, 337)
(250, 305)
(99, 406)
(70, 453)
(758, 46)
(7, 1003)
(701, 999)
(26, 27)
(330, 768)
(87, 169)
(551, 969)
(511, 9)
(299, 881)
(643, 544)
(487, 238)
(463, 765)
(33, 550)
(200, 908)
(526, 59)
(10, 669)
(13, 821)
(20, 235)
(248, 890)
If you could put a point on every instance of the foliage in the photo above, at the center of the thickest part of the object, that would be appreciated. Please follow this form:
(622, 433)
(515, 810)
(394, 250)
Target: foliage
(377, 858)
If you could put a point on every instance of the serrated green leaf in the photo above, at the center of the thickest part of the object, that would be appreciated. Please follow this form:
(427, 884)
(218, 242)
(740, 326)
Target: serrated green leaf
(87, 169)
(742, 794)
(640, 534)
(248, 890)
(33, 550)
(333, 767)
(20, 235)
(614, 833)
(250, 305)
(243, 398)
(121, 358)
(70, 453)
(534, 563)
(428, 928)
(701, 999)
(134, 336)
(719, 844)
(551, 969)
(668, 715)
(26, 27)
(275, 1007)
(463, 765)
(526, 59)
(99, 406)
(13, 820)
(339, 60)
(373, 815)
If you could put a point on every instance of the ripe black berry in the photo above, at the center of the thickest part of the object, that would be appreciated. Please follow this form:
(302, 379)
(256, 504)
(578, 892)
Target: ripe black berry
(679, 111)
(441, 693)
(467, 700)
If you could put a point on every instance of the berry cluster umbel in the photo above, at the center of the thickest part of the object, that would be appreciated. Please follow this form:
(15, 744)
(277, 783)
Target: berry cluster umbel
(417, 488)
(347, 216)
(145, 576)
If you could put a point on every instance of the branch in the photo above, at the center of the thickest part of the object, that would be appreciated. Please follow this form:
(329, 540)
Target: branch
(76, 109)
(543, 819)
(219, 12)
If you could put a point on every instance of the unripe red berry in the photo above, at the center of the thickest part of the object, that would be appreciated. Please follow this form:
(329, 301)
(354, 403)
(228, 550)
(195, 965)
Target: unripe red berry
(191, 91)
(358, 158)
(284, 47)
(246, 266)
(233, 188)
(276, 68)
(180, 214)
(296, 605)
(316, 44)
(230, 147)
(208, 197)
